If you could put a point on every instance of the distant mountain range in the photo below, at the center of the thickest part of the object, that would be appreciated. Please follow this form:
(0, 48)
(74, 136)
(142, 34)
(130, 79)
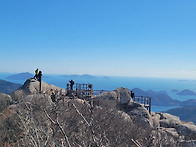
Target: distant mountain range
(20, 76)
(8, 87)
(84, 76)
(191, 102)
(185, 113)
(27, 75)
(158, 98)
(186, 92)
(161, 98)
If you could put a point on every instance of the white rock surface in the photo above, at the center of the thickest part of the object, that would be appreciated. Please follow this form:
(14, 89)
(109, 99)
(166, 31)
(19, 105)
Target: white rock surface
(31, 86)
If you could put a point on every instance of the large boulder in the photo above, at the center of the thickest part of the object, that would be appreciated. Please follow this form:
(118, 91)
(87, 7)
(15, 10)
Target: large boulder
(121, 99)
(187, 130)
(114, 99)
(155, 118)
(106, 99)
(169, 121)
(139, 113)
(31, 86)
(174, 124)
(170, 131)
(5, 101)
(123, 95)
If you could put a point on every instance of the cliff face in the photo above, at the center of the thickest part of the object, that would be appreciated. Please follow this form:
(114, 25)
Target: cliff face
(109, 119)
(8, 87)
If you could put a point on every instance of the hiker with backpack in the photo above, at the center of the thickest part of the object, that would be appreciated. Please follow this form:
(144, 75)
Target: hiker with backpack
(36, 73)
(71, 84)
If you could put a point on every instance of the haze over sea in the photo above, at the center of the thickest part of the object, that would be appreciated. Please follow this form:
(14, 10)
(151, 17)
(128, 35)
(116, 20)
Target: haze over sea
(111, 83)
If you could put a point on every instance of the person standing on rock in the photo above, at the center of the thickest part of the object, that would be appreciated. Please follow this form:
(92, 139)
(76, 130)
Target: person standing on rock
(40, 76)
(40, 79)
(71, 84)
(132, 94)
(36, 73)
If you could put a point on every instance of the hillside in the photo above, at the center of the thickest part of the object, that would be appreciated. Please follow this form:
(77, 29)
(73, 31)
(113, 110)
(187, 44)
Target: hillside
(186, 92)
(109, 119)
(190, 102)
(20, 76)
(161, 98)
(158, 98)
(85, 76)
(185, 113)
(8, 87)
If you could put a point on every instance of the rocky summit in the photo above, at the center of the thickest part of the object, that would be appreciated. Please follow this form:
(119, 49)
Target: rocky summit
(31, 118)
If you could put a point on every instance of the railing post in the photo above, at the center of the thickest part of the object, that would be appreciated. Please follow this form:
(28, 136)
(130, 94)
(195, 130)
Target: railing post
(150, 105)
(67, 87)
(76, 88)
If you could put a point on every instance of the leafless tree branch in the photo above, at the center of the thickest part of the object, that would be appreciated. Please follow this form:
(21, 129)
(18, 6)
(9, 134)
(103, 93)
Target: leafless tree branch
(60, 127)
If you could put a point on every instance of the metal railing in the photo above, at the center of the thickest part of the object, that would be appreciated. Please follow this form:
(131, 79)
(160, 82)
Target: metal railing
(81, 90)
(144, 100)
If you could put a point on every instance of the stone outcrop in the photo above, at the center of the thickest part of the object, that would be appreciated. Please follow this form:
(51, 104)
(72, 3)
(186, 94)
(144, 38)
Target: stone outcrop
(108, 119)
(168, 120)
(139, 113)
(31, 86)
(5, 101)
(123, 95)
(113, 99)
(174, 125)
(120, 99)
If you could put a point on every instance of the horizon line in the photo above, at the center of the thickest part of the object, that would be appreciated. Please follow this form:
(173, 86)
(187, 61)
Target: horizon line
(125, 76)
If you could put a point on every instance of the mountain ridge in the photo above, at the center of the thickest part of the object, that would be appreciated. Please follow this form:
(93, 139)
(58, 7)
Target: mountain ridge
(186, 92)
(186, 113)
(87, 76)
(20, 76)
(158, 98)
(108, 119)
(8, 87)
(161, 98)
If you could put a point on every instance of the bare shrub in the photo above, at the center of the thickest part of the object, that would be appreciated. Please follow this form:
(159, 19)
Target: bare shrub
(73, 122)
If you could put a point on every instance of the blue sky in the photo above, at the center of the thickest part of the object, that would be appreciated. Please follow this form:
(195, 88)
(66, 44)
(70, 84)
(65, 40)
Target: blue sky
(154, 38)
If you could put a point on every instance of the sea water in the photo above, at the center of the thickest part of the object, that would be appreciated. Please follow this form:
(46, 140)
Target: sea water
(111, 83)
